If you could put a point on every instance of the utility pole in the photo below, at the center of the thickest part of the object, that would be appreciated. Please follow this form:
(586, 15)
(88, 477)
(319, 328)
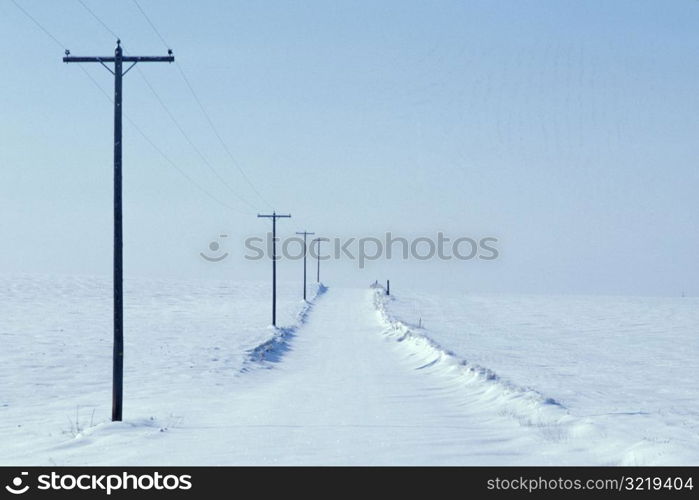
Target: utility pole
(118, 354)
(274, 216)
(305, 248)
(317, 240)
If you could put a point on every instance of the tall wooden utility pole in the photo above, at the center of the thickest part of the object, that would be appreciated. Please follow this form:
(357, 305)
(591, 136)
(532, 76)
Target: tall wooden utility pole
(118, 355)
(305, 251)
(318, 240)
(274, 216)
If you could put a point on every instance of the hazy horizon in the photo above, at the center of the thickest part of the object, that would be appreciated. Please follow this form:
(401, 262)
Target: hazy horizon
(566, 130)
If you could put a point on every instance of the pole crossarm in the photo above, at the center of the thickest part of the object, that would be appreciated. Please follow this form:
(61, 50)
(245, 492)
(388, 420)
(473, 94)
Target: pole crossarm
(133, 59)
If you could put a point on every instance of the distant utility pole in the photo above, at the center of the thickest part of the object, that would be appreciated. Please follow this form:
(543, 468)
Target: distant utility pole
(305, 248)
(118, 363)
(317, 240)
(274, 216)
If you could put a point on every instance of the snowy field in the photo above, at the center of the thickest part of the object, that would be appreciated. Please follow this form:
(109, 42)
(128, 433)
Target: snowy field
(356, 378)
(185, 343)
(621, 372)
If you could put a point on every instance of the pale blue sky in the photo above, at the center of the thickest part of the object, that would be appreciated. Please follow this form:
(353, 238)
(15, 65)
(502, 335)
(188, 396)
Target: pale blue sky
(566, 129)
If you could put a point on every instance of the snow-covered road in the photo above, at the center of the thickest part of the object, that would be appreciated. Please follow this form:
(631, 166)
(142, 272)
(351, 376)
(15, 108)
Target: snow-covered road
(342, 389)
(343, 393)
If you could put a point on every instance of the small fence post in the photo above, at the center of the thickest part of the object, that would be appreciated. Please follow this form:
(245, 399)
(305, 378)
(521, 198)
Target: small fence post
(388, 287)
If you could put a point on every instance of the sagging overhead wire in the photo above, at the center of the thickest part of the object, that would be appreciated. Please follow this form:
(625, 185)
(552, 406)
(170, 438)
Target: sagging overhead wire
(160, 151)
(191, 143)
(39, 25)
(220, 139)
(214, 129)
(138, 6)
(97, 18)
(133, 124)
(174, 120)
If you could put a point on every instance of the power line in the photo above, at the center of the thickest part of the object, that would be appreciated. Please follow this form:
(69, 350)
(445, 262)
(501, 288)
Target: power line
(160, 151)
(39, 25)
(184, 174)
(167, 46)
(191, 143)
(174, 120)
(98, 19)
(218, 135)
(223, 143)
(133, 124)
(172, 116)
